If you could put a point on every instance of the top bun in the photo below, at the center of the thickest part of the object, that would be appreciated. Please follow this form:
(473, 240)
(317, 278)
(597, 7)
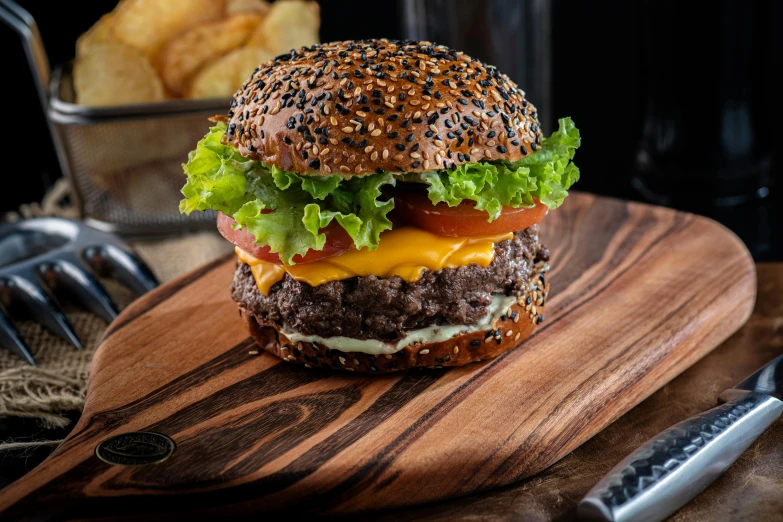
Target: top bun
(360, 107)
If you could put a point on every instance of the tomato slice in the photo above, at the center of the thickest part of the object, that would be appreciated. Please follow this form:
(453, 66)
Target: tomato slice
(337, 242)
(415, 208)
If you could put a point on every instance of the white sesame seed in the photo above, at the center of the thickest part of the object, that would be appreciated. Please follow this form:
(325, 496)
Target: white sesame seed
(456, 349)
(376, 132)
(347, 130)
(424, 351)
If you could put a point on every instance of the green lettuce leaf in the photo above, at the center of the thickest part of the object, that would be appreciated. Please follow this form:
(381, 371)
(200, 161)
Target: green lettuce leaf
(219, 178)
(288, 212)
(547, 175)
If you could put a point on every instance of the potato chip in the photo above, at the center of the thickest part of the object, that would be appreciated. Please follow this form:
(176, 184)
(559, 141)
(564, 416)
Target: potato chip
(241, 6)
(290, 24)
(223, 77)
(148, 24)
(111, 73)
(187, 53)
(98, 33)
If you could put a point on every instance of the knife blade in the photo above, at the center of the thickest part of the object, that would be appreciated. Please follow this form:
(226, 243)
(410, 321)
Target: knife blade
(667, 471)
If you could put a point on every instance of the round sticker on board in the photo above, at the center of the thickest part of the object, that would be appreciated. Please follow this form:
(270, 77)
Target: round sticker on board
(137, 448)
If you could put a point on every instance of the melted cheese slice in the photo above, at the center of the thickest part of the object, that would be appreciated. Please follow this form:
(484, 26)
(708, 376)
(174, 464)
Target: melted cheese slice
(404, 252)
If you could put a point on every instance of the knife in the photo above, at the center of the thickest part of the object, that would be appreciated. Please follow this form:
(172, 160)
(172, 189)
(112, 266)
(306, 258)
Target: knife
(667, 471)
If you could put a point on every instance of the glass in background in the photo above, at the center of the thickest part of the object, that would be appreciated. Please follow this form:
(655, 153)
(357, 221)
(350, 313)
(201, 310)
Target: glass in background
(707, 144)
(513, 35)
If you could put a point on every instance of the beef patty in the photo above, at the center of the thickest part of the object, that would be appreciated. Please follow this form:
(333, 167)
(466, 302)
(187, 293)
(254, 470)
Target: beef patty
(377, 308)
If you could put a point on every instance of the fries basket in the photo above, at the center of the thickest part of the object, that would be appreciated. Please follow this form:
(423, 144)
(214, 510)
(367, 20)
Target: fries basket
(125, 163)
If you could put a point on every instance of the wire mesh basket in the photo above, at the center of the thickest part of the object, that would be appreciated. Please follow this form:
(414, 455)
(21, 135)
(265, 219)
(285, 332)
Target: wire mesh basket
(125, 163)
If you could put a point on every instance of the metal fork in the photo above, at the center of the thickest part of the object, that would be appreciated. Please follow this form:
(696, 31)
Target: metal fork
(39, 255)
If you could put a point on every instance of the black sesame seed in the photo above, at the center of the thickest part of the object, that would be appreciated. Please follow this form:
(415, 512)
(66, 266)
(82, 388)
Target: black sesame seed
(429, 134)
(394, 134)
(491, 134)
(475, 342)
(533, 146)
(286, 140)
(409, 137)
(462, 101)
(400, 146)
(415, 148)
(501, 149)
(362, 144)
(416, 164)
(523, 150)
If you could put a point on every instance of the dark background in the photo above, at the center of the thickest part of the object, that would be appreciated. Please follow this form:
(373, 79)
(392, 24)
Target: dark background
(676, 102)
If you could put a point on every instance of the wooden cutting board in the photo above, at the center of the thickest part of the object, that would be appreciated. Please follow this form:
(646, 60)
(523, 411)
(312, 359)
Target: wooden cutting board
(639, 293)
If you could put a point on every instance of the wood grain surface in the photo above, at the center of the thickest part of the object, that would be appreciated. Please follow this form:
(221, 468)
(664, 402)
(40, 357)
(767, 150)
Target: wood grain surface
(639, 293)
(749, 491)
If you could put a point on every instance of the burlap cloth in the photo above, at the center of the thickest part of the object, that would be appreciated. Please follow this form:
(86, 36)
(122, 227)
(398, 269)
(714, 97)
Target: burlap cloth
(57, 384)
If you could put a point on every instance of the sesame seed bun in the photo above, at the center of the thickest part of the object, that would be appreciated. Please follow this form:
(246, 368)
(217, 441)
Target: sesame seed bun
(507, 333)
(360, 107)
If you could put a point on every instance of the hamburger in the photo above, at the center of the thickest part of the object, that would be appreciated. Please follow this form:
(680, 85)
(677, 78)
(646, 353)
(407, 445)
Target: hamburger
(383, 198)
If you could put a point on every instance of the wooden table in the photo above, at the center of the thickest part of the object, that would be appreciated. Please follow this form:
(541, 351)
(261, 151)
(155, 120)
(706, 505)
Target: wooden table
(752, 489)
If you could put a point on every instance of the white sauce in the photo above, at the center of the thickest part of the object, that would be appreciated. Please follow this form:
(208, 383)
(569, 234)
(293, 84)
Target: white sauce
(430, 334)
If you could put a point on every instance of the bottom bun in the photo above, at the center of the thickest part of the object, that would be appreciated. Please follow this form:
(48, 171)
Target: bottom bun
(506, 333)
